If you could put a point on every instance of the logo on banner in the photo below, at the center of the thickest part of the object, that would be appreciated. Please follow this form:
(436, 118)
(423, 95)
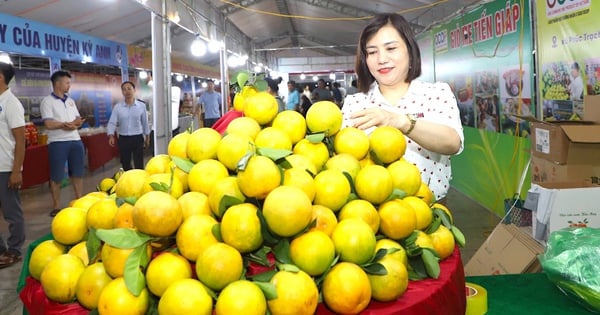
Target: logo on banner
(555, 8)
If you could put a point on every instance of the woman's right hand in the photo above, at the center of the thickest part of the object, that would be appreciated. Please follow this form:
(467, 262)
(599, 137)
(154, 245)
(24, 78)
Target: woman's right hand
(111, 140)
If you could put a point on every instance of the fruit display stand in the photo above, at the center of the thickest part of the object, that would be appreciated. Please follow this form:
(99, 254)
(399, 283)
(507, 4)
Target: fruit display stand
(445, 295)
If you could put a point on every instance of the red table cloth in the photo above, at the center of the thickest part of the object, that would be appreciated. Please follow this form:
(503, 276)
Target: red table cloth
(36, 168)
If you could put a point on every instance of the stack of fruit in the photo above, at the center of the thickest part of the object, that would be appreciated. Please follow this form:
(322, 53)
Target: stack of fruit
(275, 215)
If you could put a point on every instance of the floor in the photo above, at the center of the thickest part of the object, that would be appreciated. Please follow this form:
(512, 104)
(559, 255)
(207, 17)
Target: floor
(474, 221)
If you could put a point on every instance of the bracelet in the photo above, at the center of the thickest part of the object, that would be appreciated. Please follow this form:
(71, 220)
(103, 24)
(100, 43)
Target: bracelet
(413, 122)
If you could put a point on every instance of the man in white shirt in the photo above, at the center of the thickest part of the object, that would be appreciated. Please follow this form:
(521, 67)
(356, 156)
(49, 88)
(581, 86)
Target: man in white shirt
(61, 119)
(12, 154)
(576, 86)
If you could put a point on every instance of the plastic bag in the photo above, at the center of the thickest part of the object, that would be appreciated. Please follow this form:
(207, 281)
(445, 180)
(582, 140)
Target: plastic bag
(571, 263)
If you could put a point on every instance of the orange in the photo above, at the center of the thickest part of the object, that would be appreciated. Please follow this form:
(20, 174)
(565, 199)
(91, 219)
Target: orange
(425, 193)
(185, 296)
(245, 126)
(399, 255)
(292, 123)
(354, 241)
(240, 228)
(157, 213)
(227, 186)
(42, 254)
(302, 179)
(259, 178)
(324, 116)
(205, 174)
(363, 210)
(387, 143)
(422, 211)
(287, 210)
(405, 176)
(297, 293)
(443, 241)
(313, 252)
(374, 183)
(346, 289)
(164, 270)
(178, 145)
(344, 162)
(389, 287)
(131, 183)
(332, 189)
(167, 180)
(124, 216)
(271, 137)
(317, 153)
(115, 299)
(262, 107)
(325, 219)
(195, 235)
(59, 277)
(90, 284)
(232, 148)
(193, 202)
(397, 219)
(202, 144)
(69, 226)
(241, 297)
(218, 265)
(352, 141)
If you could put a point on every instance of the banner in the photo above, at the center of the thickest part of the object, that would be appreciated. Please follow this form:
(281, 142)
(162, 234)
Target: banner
(425, 41)
(478, 54)
(142, 58)
(27, 37)
(485, 55)
(569, 56)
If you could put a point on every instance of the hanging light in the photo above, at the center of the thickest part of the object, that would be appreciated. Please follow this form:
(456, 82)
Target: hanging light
(143, 75)
(332, 76)
(198, 47)
(302, 76)
(204, 84)
(179, 78)
(315, 78)
(257, 68)
(214, 46)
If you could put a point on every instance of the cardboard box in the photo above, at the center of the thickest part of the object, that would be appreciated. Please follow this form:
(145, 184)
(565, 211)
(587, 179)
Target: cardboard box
(508, 250)
(562, 205)
(544, 171)
(566, 142)
(591, 108)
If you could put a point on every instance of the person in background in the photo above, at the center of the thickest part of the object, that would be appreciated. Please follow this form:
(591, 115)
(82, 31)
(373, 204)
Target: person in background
(307, 91)
(321, 93)
(61, 119)
(352, 89)
(305, 104)
(576, 86)
(12, 154)
(388, 63)
(337, 94)
(210, 102)
(273, 89)
(293, 99)
(130, 121)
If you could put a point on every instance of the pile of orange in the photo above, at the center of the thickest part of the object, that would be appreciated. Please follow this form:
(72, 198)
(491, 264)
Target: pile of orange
(183, 231)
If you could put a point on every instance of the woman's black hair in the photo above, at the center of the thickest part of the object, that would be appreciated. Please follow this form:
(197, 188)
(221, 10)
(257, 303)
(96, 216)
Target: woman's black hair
(365, 78)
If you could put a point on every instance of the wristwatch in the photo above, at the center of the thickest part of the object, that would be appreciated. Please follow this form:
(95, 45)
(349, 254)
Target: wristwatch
(413, 122)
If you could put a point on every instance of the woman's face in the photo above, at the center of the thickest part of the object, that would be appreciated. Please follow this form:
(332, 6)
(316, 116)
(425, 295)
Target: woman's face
(387, 57)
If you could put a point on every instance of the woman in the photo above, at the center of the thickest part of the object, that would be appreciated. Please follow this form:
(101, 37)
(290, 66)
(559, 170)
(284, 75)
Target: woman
(131, 120)
(388, 62)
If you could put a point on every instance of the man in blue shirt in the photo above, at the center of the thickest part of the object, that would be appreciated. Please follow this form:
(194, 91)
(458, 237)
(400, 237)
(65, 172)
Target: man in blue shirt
(130, 119)
(293, 99)
(210, 101)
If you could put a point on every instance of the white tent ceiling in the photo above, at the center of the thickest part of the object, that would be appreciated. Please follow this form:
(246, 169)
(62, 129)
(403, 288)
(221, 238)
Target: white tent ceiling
(272, 28)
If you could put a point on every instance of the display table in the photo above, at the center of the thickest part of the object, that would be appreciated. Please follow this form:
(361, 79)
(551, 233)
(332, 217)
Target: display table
(530, 293)
(99, 152)
(36, 168)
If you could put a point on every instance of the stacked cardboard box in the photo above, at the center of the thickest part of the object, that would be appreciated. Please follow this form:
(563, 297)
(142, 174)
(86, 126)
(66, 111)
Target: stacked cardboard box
(565, 171)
